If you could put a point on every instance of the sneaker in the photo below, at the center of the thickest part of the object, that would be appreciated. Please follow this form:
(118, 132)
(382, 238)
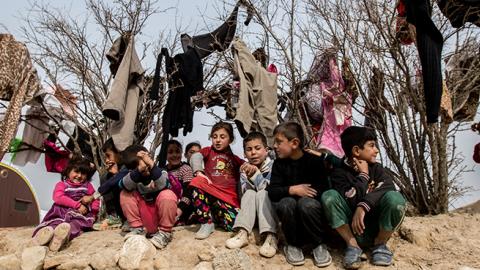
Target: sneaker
(60, 236)
(353, 258)
(321, 256)
(269, 247)
(205, 231)
(238, 241)
(381, 255)
(294, 255)
(161, 239)
(136, 231)
(43, 236)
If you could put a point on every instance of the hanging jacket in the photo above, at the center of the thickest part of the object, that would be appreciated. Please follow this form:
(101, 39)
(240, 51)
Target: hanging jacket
(126, 93)
(459, 12)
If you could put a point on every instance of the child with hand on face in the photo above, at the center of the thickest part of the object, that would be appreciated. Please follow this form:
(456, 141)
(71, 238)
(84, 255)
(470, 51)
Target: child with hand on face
(74, 209)
(147, 203)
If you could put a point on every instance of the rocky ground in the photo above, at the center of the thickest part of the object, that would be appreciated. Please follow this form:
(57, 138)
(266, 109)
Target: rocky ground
(450, 241)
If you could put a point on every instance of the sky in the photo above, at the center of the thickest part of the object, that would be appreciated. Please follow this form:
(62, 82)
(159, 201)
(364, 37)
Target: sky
(185, 13)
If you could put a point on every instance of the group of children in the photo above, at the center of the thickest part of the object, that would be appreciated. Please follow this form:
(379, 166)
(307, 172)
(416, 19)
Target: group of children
(305, 193)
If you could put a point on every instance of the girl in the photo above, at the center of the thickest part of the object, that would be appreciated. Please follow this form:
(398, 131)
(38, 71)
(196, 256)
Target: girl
(191, 149)
(182, 173)
(214, 189)
(74, 208)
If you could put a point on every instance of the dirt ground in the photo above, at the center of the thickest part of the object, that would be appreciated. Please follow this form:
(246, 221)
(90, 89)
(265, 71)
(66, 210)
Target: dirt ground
(450, 241)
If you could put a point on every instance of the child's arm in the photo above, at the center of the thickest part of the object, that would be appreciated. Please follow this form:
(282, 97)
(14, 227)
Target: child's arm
(60, 198)
(277, 188)
(159, 177)
(245, 183)
(196, 162)
(95, 205)
(130, 180)
(351, 191)
(186, 173)
(112, 182)
(383, 181)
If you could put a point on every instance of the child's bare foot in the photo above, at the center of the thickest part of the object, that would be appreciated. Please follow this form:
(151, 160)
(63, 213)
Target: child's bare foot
(60, 236)
(43, 236)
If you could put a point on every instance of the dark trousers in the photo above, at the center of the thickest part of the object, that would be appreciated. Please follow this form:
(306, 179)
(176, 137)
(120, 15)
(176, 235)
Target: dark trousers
(301, 220)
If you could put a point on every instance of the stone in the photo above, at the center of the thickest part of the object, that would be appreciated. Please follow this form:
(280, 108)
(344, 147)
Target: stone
(206, 255)
(33, 258)
(203, 266)
(51, 262)
(10, 262)
(161, 263)
(135, 250)
(75, 264)
(232, 260)
(105, 260)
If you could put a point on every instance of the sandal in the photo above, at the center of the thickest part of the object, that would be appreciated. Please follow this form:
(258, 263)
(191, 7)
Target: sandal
(60, 236)
(381, 255)
(352, 258)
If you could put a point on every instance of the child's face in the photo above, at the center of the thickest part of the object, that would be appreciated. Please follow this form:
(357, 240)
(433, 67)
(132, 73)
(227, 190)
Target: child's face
(77, 177)
(174, 155)
(220, 139)
(194, 149)
(111, 158)
(368, 153)
(143, 168)
(283, 146)
(256, 152)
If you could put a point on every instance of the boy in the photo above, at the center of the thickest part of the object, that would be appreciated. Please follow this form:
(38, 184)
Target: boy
(364, 200)
(298, 179)
(255, 201)
(146, 201)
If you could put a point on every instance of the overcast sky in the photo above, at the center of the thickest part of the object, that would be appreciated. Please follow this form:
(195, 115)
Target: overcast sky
(186, 14)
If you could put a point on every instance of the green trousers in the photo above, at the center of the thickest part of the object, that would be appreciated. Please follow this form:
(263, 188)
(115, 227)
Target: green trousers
(388, 214)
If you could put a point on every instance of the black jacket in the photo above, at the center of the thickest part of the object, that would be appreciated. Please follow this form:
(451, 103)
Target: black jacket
(309, 169)
(360, 189)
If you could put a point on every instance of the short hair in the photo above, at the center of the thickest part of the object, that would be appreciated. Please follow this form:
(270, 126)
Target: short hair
(109, 145)
(356, 136)
(174, 142)
(291, 130)
(129, 156)
(253, 136)
(192, 144)
(227, 126)
(81, 165)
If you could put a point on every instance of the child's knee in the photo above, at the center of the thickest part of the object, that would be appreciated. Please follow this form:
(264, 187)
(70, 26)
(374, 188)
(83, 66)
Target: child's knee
(394, 200)
(330, 197)
(166, 194)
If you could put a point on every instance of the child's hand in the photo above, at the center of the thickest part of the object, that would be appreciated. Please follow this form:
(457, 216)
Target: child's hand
(358, 225)
(112, 167)
(83, 209)
(151, 185)
(145, 156)
(361, 165)
(86, 200)
(179, 213)
(302, 190)
(248, 169)
(200, 174)
(313, 152)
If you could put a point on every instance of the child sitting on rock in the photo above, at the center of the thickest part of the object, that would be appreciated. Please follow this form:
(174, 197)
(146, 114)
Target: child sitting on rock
(255, 201)
(147, 203)
(74, 209)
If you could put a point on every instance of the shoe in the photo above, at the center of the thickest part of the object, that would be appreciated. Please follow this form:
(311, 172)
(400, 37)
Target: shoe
(135, 231)
(205, 231)
(321, 256)
(238, 241)
(43, 236)
(352, 258)
(381, 255)
(294, 255)
(161, 239)
(60, 236)
(269, 247)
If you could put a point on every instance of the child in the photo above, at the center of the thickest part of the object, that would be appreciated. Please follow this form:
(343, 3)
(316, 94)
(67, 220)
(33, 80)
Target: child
(297, 182)
(146, 201)
(255, 201)
(74, 208)
(191, 149)
(214, 189)
(364, 199)
(182, 172)
(109, 183)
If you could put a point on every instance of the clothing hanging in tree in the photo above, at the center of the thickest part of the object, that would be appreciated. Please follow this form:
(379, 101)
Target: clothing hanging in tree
(459, 12)
(336, 102)
(404, 31)
(126, 94)
(219, 39)
(84, 142)
(377, 103)
(257, 103)
(429, 45)
(446, 104)
(56, 159)
(185, 78)
(19, 84)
